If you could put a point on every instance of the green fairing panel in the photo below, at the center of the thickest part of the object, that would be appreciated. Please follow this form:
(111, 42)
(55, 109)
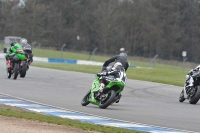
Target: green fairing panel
(14, 48)
(116, 83)
(21, 56)
(95, 87)
(96, 84)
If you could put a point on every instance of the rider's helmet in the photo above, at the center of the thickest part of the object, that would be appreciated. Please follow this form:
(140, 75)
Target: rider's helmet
(123, 55)
(23, 41)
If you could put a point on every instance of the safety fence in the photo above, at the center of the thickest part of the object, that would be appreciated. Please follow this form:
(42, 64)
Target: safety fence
(54, 60)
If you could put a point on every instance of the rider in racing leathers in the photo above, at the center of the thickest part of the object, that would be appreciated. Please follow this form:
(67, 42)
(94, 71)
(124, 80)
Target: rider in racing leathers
(24, 43)
(190, 80)
(13, 50)
(121, 64)
(10, 51)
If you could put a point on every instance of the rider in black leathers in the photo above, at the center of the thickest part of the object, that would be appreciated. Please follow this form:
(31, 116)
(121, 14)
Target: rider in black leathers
(27, 49)
(121, 63)
(192, 77)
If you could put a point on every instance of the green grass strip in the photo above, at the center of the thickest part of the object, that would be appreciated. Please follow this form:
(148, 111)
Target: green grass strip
(61, 121)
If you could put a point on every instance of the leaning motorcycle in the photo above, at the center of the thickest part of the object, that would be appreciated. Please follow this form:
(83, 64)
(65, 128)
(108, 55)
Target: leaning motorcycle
(28, 53)
(14, 65)
(110, 93)
(193, 94)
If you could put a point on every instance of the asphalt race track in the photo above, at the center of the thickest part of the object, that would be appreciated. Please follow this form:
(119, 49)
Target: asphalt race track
(142, 102)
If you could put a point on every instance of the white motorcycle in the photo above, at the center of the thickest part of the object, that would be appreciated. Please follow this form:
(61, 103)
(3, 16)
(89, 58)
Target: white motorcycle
(192, 94)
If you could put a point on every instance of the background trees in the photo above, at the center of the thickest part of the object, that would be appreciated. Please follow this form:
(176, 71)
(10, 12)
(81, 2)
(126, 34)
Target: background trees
(143, 27)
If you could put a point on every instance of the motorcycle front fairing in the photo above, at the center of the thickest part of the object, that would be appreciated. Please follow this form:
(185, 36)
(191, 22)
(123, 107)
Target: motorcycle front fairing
(115, 84)
(95, 87)
(196, 84)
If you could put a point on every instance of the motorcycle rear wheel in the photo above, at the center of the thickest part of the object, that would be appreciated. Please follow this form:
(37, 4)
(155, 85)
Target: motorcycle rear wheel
(85, 101)
(196, 97)
(23, 71)
(109, 100)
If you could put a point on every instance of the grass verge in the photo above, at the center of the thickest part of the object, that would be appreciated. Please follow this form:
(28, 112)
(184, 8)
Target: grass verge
(19, 113)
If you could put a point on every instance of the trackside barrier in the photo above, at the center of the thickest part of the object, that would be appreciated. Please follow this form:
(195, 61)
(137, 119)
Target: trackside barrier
(83, 62)
(40, 59)
(78, 62)
(54, 60)
(2, 56)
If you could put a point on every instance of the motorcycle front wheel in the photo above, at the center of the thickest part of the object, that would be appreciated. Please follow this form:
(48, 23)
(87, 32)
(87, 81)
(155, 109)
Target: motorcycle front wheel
(181, 97)
(110, 97)
(85, 101)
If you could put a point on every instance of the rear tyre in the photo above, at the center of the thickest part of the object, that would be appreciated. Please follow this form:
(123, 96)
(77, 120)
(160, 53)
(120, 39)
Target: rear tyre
(15, 71)
(85, 100)
(23, 71)
(195, 98)
(109, 100)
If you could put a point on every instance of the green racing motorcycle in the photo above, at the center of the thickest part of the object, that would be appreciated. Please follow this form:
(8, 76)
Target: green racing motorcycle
(16, 64)
(110, 94)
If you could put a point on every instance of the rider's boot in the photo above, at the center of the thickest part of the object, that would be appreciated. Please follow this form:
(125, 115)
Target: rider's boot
(118, 98)
(27, 67)
(102, 85)
(100, 90)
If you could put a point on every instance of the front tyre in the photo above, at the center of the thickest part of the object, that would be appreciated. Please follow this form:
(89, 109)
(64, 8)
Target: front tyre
(181, 97)
(109, 100)
(195, 98)
(85, 99)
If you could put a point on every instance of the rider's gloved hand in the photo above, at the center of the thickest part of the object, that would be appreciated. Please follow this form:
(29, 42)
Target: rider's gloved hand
(99, 74)
(102, 74)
